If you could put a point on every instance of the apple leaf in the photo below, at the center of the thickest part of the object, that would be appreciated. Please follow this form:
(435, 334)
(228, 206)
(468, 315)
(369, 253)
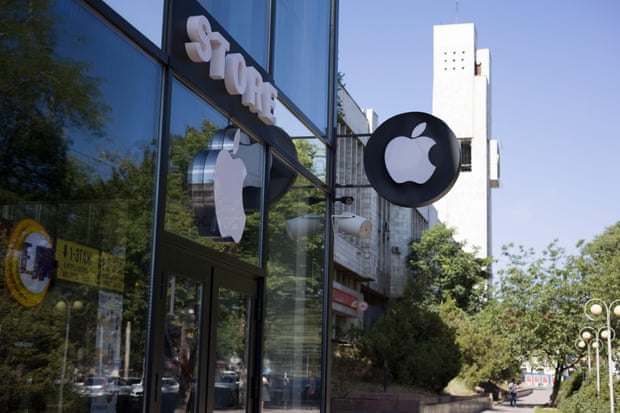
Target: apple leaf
(418, 130)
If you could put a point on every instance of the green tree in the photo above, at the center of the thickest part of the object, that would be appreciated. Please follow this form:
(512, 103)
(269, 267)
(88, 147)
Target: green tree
(600, 263)
(486, 355)
(419, 348)
(441, 268)
(540, 302)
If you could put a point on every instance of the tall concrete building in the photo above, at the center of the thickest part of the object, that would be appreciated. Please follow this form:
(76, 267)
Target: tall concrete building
(462, 98)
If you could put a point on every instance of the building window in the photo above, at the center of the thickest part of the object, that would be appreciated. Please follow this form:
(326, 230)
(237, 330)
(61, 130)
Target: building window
(301, 56)
(465, 154)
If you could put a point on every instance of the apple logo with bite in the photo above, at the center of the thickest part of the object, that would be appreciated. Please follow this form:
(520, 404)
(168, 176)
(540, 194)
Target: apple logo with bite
(406, 158)
(412, 159)
(230, 174)
(216, 180)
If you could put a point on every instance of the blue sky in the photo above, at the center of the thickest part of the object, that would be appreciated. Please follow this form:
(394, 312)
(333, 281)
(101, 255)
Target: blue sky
(555, 76)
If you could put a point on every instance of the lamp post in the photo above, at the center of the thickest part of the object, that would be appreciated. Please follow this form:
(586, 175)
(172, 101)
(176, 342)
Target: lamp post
(589, 337)
(596, 309)
(66, 303)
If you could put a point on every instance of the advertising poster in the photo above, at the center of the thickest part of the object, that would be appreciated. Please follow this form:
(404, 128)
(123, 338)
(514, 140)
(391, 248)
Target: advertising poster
(109, 321)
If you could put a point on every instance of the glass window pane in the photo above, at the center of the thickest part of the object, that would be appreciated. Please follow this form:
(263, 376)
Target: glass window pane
(247, 21)
(144, 15)
(200, 143)
(80, 109)
(312, 152)
(180, 364)
(301, 55)
(293, 321)
(231, 350)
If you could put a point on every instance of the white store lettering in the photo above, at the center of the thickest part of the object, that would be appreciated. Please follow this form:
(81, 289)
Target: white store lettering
(206, 46)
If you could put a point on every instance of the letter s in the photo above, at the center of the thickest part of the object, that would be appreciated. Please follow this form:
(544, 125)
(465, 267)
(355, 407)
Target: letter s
(199, 49)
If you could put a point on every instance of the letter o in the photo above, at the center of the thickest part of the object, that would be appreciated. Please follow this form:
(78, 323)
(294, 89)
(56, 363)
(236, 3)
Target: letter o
(235, 76)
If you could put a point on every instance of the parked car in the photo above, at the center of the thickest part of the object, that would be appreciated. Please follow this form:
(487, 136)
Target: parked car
(94, 386)
(137, 389)
(227, 392)
(168, 385)
(125, 385)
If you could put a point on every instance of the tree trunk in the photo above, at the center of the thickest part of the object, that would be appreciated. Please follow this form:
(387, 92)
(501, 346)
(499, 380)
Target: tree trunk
(557, 382)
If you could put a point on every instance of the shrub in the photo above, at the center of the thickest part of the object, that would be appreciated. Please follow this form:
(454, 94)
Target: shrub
(583, 398)
(420, 350)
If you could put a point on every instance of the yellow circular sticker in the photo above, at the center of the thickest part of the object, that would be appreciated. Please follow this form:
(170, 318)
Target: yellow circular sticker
(29, 263)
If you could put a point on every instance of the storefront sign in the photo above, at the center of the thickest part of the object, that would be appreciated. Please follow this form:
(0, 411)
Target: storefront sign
(108, 342)
(77, 263)
(349, 300)
(29, 263)
(412, 159)
(207, 46)
(112, 275)
(216, 181)
(222, 188)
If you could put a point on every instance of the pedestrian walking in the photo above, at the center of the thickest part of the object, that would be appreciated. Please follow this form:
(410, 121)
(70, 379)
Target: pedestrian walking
(512, 387)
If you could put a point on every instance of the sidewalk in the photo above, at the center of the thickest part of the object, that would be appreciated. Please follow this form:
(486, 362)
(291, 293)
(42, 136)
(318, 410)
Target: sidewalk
(525, 404)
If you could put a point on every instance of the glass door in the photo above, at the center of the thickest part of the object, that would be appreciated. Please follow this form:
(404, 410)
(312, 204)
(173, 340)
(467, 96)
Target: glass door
(207, 348)
(181, 352)
(233, 361)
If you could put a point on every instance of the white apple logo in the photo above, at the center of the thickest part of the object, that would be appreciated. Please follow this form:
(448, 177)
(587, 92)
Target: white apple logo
(406, 158)
(230, 174)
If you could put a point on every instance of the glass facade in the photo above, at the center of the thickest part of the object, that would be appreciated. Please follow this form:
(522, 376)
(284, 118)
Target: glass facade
(301, 36)
(293, 318)
(247, 21)
(160, 250)
(79, 131)
(196, 131)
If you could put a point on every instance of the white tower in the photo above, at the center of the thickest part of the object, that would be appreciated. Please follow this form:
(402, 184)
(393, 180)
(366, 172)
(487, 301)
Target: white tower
(462, 98)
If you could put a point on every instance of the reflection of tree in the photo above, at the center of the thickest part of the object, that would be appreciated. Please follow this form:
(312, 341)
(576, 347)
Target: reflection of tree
(41, 95)
(291, 301)
(27, 365)
(294, 283)
(232, 326)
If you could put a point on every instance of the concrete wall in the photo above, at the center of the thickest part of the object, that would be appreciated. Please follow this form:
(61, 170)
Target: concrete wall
(409, 403)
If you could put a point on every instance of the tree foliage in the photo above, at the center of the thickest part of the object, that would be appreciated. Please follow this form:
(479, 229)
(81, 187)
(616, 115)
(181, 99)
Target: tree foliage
(418, 347)
(541, 301)
(41, 96)
(600, 264)
(485, 354)
(441, 268)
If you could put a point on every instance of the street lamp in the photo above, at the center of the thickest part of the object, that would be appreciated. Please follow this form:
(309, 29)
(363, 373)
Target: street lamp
(589, 337)
(66, 303)
(594, 309)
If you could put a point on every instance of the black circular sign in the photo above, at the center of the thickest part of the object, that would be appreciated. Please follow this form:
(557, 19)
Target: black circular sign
(412, 159)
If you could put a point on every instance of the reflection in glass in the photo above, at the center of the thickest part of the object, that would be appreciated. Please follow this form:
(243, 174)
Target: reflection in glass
(231, 350)
(180, 369)
(145, 15)
(301, 56)
(195, 129)
(78, 138)
(293, 301)
(313, 152)
(247, 21)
